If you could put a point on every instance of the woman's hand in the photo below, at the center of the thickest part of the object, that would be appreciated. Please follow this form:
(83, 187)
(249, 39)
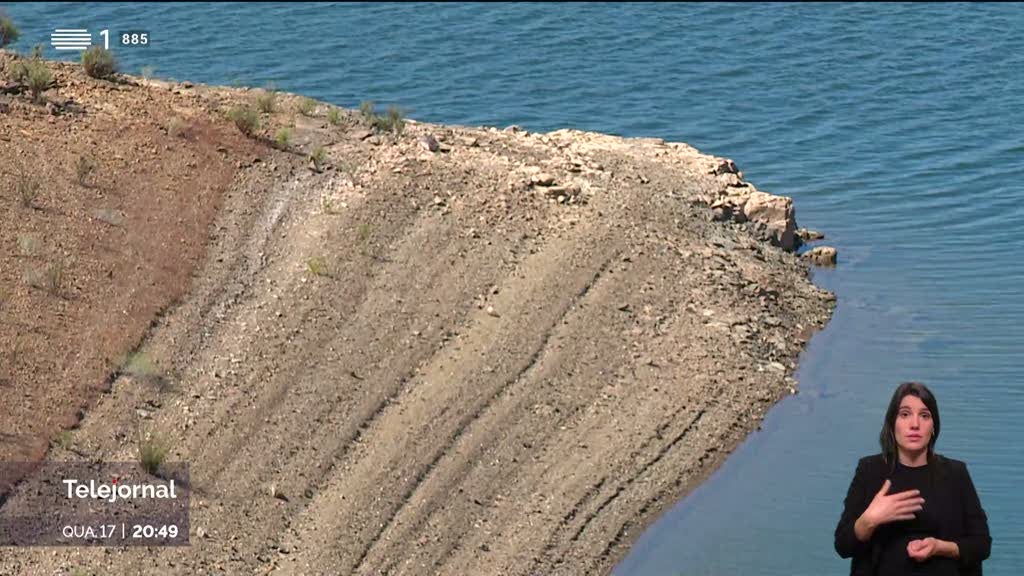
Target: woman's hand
(885, 508)
(922, 550)
(925, 548)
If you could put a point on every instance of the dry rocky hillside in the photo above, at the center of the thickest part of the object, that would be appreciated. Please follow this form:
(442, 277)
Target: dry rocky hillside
(448, 350)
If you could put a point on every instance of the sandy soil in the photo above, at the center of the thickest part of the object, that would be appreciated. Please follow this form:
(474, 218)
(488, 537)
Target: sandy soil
(506, 356)
(88, 262)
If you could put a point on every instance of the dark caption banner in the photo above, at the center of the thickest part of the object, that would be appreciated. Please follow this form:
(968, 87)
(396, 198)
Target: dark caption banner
(93, 504)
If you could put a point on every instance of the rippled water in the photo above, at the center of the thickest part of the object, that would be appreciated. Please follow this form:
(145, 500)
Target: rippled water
(897, 129)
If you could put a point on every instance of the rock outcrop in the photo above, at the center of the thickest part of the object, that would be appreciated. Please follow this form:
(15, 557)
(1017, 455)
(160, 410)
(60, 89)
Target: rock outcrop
(770, 216)
(821, 256)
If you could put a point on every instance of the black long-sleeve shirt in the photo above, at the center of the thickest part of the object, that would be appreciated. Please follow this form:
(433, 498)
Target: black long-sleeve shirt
(952, 512)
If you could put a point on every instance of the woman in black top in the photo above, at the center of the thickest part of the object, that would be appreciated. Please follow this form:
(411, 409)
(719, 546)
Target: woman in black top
(908, 509)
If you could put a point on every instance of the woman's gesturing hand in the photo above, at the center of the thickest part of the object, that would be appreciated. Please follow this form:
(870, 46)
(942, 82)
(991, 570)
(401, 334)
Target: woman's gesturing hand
(922, 550)
(885, 507)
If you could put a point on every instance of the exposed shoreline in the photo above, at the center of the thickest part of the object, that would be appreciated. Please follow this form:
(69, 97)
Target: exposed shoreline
(507, 355)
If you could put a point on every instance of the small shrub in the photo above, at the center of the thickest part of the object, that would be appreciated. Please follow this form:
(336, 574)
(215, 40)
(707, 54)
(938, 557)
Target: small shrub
(39, 79)
(28, 190)
(176, 127)
(138, 365)
(147, 72)
(64, 439)
(54, 277)
(317, 266)
(327, 205)
(84, 168)
(8, 31)
(35, 277)
(343, 165)
(366, 110)
(108, 216)
(245, 118)
(18, 71)
(283, 138)
(29, 246)
(267, 101)
(363, 233)
(99, 62)
(395, 121)
(37, 52)
(152, 453)
(17, 349)
(306, 106)
(334, 117)
(319, 158)
(50, 278)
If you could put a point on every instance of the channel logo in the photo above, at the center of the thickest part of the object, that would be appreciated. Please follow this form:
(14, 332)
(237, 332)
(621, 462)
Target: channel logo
(70, 39)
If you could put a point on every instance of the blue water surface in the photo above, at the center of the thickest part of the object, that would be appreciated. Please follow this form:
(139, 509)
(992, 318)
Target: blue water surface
(896, 128)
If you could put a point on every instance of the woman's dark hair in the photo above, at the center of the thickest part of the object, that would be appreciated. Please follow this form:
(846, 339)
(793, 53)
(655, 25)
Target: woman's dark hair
(887, 438)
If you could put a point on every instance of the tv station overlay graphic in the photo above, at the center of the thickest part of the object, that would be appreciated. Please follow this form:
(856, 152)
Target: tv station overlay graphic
(93, 504)
(81, 39)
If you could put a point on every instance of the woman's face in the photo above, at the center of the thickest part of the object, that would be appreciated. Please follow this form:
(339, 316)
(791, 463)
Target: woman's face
(914, 426)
